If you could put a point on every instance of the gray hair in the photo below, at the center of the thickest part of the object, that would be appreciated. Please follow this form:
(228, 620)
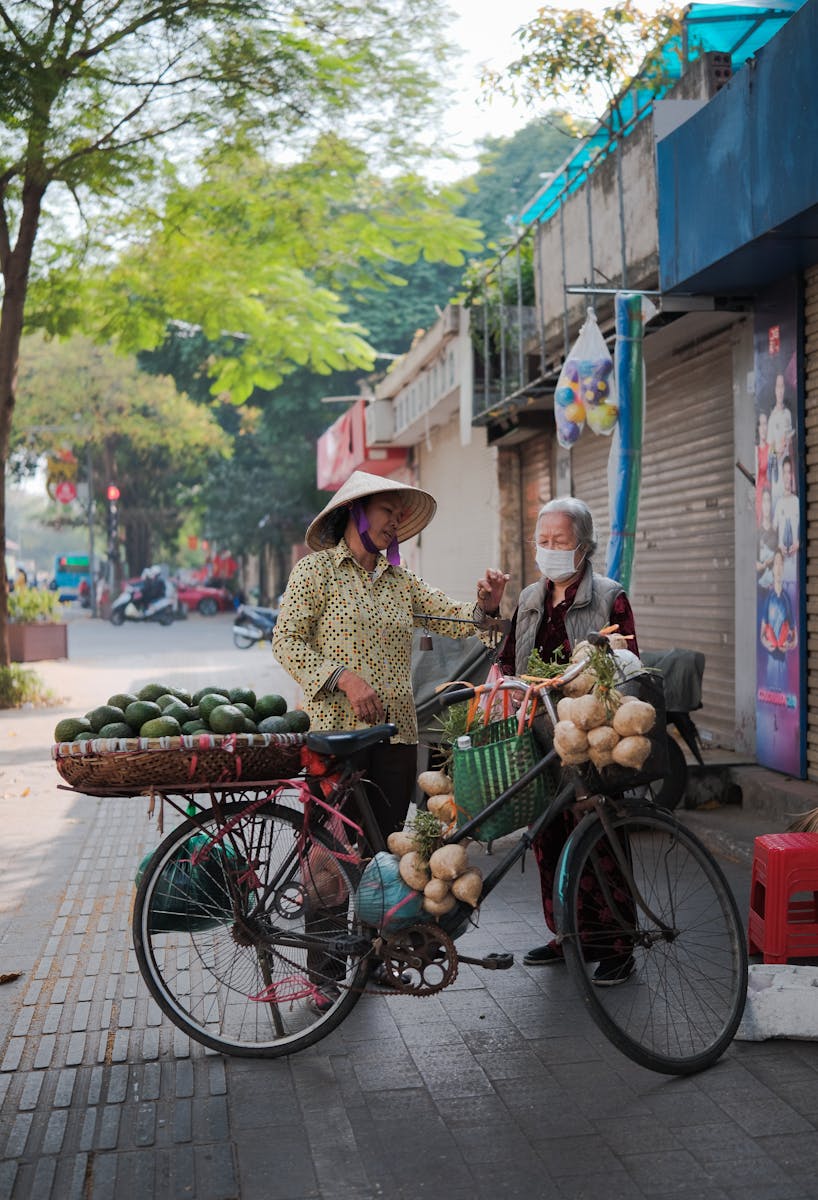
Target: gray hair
(581, 520)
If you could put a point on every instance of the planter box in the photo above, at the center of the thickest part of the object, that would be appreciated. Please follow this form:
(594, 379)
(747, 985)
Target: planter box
(37, 641)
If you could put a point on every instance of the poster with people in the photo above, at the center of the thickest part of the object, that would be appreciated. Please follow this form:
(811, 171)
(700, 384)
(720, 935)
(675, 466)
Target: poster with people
(779, 523)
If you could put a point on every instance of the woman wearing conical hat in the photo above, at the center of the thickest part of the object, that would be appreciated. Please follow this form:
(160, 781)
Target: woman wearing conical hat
(344, 631)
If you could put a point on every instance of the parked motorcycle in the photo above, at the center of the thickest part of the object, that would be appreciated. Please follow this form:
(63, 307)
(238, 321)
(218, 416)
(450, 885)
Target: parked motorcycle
(253, 625)
(143, 601)
(682, 672)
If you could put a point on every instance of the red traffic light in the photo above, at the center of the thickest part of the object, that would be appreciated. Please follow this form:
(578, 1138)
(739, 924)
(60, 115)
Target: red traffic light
(113, 491)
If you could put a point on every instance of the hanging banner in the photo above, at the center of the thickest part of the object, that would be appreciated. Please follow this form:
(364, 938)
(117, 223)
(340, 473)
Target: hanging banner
(779, 510)
(625, 460)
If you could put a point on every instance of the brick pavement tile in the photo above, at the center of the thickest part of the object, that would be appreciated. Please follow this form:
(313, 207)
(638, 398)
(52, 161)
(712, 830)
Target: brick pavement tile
(612, 1185)
(338, 1168)
(43, 1180)
(53, 1016)
(13, 1055)
(671, 1173)
(515, 1181)
(108, 1132)
(85, 1141)
(102, 1179)
(211, 1119)
(631, 1134)
(276, 1166)
(795, 1153)
(183, 1078)
(145, 1129)
(764, 1115)
(135, 1174)
(215, 1172)
(150, 1043)
(64, 1090)
(55, 1132)
(117, 1089)
(451, 1072)
(96, 1079)
(16, 1143)
(31, 1092)
(717, 1142)
(498, 1143)
(216, 1077)
(8, 1175)
(182, 1121)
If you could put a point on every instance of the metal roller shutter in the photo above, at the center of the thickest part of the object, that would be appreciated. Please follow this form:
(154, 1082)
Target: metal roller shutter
(683, 583)
(811, 451)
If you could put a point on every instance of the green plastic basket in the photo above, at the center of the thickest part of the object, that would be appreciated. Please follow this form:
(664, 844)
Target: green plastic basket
(498, 757)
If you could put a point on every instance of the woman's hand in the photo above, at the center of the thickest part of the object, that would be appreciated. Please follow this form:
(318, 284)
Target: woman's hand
(365, 701)
(490, 590)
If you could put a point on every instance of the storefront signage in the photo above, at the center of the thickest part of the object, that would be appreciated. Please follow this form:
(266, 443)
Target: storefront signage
(780, 524)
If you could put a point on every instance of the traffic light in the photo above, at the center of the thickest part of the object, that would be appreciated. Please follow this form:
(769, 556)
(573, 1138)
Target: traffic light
(113, 520)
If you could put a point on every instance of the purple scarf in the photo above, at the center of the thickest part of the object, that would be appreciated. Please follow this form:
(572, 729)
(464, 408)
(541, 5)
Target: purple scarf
(362, 525)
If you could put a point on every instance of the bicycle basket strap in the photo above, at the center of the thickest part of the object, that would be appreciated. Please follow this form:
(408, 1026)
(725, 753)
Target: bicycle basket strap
(497, 757)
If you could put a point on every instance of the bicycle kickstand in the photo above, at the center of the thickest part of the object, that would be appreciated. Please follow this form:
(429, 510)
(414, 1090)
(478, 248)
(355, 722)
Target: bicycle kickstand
(492, 962)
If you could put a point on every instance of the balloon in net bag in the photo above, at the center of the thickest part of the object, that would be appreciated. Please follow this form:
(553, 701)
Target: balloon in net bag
(586, 389)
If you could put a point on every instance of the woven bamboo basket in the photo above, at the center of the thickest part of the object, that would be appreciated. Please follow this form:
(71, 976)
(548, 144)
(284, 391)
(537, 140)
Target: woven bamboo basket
(139, 763)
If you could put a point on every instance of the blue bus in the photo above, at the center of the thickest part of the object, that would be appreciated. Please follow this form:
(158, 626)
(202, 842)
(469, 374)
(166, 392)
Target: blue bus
(69, 572)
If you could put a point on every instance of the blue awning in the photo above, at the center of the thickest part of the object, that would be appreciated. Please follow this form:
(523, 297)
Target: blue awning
(739, 30)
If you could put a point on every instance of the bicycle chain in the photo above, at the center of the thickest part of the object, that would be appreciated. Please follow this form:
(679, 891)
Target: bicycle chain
(419, 948)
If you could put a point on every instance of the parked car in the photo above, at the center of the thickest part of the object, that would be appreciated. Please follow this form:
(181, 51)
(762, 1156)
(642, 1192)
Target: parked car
(196, 597)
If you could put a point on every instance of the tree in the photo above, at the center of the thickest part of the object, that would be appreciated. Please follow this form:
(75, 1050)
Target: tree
(573, 54)
(98, 96)
(135, 430)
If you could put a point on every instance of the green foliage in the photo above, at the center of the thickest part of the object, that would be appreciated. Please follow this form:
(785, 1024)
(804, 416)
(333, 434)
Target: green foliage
(27, 605)
(427, 833)
(20, 685)
(538, 667)
(286, 249)
(154, 442)
(571, 53)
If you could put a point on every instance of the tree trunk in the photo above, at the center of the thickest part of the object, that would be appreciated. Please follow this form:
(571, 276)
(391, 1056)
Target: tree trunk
(15, 265)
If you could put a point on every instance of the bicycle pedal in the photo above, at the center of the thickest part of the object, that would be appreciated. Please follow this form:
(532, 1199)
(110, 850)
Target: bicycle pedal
(492, 962)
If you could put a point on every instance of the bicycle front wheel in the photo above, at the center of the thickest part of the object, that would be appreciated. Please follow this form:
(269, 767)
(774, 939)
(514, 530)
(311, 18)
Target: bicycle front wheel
(246, 931)
(671, 931)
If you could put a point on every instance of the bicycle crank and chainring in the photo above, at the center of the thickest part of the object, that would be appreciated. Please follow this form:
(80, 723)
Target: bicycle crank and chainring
(418, 960)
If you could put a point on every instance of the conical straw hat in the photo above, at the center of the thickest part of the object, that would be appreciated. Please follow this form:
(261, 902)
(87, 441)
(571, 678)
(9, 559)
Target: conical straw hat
(420, 506)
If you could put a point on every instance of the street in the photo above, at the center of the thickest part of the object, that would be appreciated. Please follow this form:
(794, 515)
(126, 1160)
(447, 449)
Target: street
(498, 1086)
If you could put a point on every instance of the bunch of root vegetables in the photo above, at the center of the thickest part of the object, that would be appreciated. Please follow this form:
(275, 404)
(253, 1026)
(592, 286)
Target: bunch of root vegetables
(442, 873)
(598, 724)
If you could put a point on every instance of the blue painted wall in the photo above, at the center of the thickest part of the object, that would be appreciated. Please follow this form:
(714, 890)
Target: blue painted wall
(738, 182)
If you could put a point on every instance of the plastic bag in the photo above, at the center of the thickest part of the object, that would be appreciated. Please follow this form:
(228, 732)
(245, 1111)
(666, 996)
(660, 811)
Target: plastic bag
(384, 900)
(586, 388)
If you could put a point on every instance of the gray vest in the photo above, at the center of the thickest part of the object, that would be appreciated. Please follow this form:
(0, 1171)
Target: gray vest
(590, 610)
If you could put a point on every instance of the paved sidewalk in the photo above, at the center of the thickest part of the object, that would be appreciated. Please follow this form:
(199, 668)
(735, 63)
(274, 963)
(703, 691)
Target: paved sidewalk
(499, 1086)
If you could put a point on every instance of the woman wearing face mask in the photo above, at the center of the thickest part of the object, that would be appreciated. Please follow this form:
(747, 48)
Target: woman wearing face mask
(553, 615)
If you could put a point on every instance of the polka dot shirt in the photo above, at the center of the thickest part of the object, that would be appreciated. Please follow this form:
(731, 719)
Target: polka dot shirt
(334, 614)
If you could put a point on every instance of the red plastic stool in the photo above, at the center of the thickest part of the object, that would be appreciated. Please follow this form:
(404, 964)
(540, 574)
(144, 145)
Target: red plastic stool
(783, 920)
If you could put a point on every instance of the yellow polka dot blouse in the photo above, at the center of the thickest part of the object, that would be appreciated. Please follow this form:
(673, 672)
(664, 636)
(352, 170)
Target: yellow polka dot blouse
(334, 614)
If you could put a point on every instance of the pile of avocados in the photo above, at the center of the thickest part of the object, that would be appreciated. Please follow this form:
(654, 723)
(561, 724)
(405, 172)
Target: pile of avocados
(159, 710)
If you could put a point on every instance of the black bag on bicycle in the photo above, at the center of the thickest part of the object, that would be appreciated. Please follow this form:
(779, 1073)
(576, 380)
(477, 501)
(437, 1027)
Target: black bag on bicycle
(614, 778)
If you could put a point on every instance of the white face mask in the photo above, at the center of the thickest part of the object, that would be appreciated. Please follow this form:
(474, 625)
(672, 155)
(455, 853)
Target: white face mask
(557, 565)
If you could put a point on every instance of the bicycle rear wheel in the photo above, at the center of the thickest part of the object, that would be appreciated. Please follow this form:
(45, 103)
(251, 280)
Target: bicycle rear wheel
(249, 940)
(680, 1007)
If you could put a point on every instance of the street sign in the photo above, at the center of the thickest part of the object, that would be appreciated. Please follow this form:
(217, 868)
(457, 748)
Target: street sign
(65, 491)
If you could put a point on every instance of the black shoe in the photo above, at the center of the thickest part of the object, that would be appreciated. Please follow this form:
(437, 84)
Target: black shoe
(612, 971)
(379, 978)
(543, 956)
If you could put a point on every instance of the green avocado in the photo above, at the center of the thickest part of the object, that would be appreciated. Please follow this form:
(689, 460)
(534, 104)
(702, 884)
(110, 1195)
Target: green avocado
(207, 691)
(270, 705)
(208, 702)
(140, 711)
(240, 695)
(152, 691)
(104, 715)
(117, 729)
(178, 710)
(121, 700)
(273, 725)
(226, 718)
(161, 727)
(297, 721)
(194, 727)
(70, 728)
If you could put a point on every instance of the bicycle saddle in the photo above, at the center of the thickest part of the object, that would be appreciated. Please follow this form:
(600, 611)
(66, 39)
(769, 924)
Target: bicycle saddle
(340, 745)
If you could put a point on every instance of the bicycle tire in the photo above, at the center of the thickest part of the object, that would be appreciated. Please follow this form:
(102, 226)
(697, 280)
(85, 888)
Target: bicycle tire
(679, 1010)
(208, 974)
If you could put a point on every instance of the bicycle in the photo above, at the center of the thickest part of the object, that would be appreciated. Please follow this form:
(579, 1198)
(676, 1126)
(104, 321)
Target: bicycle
(247, 930)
